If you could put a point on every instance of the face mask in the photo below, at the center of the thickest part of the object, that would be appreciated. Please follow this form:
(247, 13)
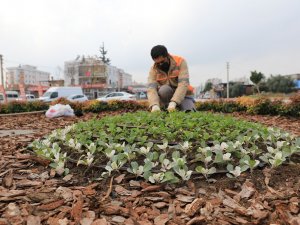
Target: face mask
(164, 66)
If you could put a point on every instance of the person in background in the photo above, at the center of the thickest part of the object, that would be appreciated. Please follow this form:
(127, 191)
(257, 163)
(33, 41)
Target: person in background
(168, 82)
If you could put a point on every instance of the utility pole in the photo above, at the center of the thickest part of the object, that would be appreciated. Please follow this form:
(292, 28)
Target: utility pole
(227, 66)
(1, 68)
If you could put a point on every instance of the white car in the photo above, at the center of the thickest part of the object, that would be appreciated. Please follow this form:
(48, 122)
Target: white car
(77, 98)
(54, 93)
(117, 96)
(29, 98)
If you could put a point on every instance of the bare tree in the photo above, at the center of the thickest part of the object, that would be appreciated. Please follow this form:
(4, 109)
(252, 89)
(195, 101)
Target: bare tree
(103, 53)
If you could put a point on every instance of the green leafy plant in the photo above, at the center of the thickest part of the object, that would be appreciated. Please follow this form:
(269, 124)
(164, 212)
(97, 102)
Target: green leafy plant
(234, 172)
(250, 163)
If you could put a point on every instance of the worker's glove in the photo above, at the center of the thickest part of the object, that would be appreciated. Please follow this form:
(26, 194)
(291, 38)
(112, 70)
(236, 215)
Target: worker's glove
(172, 107)
(155, 108)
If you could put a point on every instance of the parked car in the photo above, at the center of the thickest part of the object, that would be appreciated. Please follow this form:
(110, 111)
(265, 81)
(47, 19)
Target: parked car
(29, 98)
(117, 96)
(77, 98)
(10, 96)
(2, 100)
(54, 93)
(141, 95)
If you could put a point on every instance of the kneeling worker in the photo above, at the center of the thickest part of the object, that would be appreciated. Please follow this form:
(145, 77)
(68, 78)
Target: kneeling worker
(168, 82)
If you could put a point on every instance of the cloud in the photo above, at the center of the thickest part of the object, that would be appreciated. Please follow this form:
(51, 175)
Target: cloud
(250, 34)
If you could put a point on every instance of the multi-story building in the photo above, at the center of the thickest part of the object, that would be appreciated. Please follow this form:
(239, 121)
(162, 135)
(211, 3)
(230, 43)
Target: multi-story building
(26, 75)
(126, 80)
(56, 83)
(27, 79)
(95, 77)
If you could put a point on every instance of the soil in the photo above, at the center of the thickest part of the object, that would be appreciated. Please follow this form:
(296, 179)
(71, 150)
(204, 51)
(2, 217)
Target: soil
(31, 193)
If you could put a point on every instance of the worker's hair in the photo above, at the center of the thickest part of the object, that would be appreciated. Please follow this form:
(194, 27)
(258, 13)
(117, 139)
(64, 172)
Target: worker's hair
(159, 50)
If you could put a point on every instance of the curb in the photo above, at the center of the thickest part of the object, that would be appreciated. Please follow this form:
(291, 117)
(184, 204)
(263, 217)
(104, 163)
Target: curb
(22, 113)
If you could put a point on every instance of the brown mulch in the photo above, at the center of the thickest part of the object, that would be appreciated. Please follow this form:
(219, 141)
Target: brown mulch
(289, 124)
(32, 194)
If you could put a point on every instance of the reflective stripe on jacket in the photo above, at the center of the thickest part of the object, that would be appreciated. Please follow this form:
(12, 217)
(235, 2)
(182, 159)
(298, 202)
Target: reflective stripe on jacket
(177, 77)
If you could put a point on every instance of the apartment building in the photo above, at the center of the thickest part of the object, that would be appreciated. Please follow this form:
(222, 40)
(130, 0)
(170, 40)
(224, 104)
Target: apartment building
(95, 77)
(27, 75)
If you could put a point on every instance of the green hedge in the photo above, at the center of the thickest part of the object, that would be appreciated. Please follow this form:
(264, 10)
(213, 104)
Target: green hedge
(20, 106)
(261, 106)
(220, 106)
(88, 106)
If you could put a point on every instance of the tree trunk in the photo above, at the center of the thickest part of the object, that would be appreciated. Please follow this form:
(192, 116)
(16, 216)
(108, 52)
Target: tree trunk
(257, 87)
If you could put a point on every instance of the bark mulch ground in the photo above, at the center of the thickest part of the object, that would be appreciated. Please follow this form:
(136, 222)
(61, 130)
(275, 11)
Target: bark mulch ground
(32, 194)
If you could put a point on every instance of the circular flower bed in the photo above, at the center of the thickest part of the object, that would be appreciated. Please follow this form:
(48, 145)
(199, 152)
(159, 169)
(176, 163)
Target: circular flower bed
(167, 147)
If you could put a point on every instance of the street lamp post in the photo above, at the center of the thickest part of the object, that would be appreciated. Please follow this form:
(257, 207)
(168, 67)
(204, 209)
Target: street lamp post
(227, 66)
(1, 68)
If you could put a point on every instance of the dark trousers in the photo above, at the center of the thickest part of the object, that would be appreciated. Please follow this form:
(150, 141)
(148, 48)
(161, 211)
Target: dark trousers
(165, 94)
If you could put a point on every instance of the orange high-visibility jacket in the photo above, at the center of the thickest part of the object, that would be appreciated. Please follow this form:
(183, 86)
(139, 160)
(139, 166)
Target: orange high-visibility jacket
(177, 77)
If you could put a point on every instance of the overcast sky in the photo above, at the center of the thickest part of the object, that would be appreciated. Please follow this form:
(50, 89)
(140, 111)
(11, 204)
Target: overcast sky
(260, 35)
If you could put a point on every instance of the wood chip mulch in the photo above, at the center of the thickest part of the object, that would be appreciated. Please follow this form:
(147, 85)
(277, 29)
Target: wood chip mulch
(31, 193)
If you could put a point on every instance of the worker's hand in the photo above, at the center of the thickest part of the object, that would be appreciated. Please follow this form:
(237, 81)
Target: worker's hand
(155, 108)
(172, 107)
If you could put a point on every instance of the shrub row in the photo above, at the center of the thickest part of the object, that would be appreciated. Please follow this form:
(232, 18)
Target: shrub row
(220, 106)
(89, 106)
(258, 106)
(21, 106)
(96, 106)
